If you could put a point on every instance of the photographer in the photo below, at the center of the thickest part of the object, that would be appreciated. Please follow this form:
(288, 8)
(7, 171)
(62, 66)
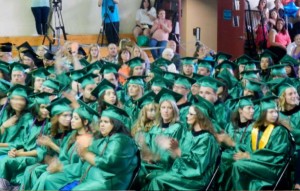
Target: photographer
(111, 20)
(40, 10)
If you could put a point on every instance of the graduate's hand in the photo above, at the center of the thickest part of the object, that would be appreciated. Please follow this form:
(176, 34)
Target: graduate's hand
(241, 155)
(226, 139)
(84, 141)
(55, 166)
(12, 153)
(10, 122)
(44, 141)
(140, 139)
(163, 142)
(81, 151)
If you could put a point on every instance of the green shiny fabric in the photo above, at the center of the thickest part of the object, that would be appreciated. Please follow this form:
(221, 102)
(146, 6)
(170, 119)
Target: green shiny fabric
(194, 169)
(115, 162)
(264, 164)
(223, 113)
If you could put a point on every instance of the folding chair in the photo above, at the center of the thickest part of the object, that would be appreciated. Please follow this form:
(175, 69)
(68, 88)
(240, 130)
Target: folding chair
(288, 162)
(136, 171)
(212, 181)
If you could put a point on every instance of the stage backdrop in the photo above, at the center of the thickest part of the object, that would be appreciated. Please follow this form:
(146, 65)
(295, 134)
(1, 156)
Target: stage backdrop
(80, 17)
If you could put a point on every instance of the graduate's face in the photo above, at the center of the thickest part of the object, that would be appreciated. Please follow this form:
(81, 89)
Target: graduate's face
(38, 83)
(1, 75)
(65, 118)
(94, 51)
(43, 113)
(105, 126)
(209, 94)
(133, 90)
(111, 78)
(191, 116)
(264, 63)
(166, 111)
(18, 103)
(203, 71)
(76, 122)
(87, 92)
(272, 115)
(195, 89)
(18, 77)
(150, 112)
(110, 96)
(188, 69)
(241, 68)
(246, 112)
(48, 62)
(291, 96)
(180, 89)
(138, 71)
(288, 69)
(155, 89)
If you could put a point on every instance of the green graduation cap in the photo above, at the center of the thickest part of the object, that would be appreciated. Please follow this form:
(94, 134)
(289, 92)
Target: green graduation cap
(253, 85)
(53, 84)
(161, 62)
(274, 82)
(241, 102)
(59, 106)
(84, 62)
(205, 107)
(252, 65)
(188, 60)
(278, 70)
(267, 102)
(279, 89)
(287, 59)
(4, 68)
(184, 81)
(41, 98)
(243, 59)
(16, 66)
(228, 78)
(159, 81)
(169, 76)
(209, 64)
(76, 74)
(138, 80)
(115, 113)
(19, 90)
(40, 73)
(146, 99)
(268, 54)
(102, 87)
(87, 79)
(250, 74)
(136, 61)
(6, 47)
(50, 69)
(109, 68)
(222, 55)
(166, 94)
(226, 64)
(4, 86)
(94, 66)
(211, 83)
(85, 111)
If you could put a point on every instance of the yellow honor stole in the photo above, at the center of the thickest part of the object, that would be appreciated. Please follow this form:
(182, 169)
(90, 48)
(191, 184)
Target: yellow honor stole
(263, 140)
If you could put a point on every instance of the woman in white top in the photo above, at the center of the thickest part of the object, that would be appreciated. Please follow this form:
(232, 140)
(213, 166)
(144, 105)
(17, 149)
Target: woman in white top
(145, 16)
(40, 10)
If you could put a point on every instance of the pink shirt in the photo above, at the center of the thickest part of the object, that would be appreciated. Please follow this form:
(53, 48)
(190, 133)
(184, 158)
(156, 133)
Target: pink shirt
(283, 39)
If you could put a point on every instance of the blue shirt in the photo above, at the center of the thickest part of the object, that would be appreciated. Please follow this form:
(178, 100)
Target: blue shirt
(40, 3)
(114, 16)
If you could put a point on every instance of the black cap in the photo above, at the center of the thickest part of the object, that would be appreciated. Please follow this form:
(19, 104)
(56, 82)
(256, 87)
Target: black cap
(6, 47)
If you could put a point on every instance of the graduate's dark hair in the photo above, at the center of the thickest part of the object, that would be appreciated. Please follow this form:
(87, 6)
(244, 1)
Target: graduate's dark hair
(260, 122)
(204, 122)
(119, 127)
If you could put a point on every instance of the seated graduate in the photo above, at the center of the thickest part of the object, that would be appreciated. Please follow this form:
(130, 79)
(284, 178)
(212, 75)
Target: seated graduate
(67, 166)
(24, 151)
(258, 164)
(108, 161)
(195, 155)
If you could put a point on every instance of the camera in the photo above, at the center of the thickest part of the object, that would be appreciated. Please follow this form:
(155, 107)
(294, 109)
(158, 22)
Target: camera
(196, 33)
(111, 8)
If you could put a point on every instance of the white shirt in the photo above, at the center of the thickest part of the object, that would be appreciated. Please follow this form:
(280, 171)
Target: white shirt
(143, 18)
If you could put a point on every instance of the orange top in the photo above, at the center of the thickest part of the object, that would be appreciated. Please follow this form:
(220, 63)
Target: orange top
(123, 73)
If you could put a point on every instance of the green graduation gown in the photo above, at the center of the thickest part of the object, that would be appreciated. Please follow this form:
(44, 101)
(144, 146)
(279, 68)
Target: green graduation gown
(222, 113)
(116, 159)
(33, 172)
(13, 169)
(71, 162)
(195, 167)
(264, 165)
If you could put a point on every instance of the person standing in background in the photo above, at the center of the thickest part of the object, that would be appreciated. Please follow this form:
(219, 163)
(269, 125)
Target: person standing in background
(40, 10)
(111, 19)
